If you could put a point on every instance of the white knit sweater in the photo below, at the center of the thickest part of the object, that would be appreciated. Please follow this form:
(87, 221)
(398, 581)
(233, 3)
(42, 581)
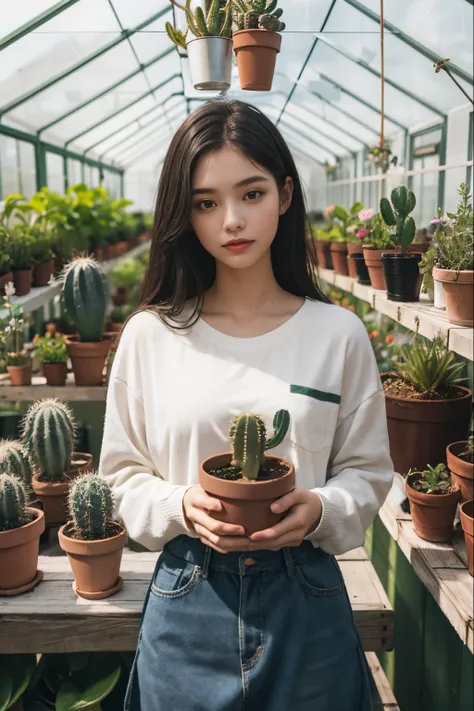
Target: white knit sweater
(172, 396)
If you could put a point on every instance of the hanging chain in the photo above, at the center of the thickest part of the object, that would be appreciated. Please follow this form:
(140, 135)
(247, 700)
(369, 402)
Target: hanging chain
(382, 56)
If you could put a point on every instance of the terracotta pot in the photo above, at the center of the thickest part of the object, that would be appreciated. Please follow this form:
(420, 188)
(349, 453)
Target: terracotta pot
(413, 248)
(110, 251)
(373, 260)
(55, 373)
(462, 472)
(351, 265)
(144, 237)
(19, 556)
(121, 296)
(95, 564)
(20, 374)
(53, 495)
(420, 430)
(99, 254)
(458, 294)
(88, 359)
(467, 522)
(116, 327)
(246, 503)
(256, 52)
(42, 273)
(433, 514)
(339, 258)
(22, 279)
(323, 251)
(4, 280)
(121, 248)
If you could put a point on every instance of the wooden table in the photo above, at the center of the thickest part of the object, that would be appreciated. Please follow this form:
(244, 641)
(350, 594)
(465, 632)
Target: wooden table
(51, 618)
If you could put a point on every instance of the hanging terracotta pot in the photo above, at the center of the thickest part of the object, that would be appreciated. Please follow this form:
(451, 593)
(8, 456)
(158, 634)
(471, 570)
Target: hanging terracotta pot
(462, 471)
(210, 63)
(55, 373)
(20, 374)
(88, 359)
(432, 514)
(339, 258)
(458, 294)
(256, 52)
(466, 513)
(4, 280)
(22, 279)
(19, 548)
(42, 273)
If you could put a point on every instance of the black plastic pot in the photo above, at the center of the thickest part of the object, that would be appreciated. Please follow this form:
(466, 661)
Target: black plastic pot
(402, 276)
(361, 269)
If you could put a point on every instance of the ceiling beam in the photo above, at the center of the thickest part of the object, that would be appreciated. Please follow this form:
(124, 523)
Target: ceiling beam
(36, 22)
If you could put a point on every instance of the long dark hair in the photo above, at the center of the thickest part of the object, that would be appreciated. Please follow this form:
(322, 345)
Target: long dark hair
(180, 268)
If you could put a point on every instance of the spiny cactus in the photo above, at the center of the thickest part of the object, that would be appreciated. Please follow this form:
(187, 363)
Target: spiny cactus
(248, 437)
(258, 15)
(396, 215)
(13, 500)
(91, 507)
(85, 291)
(49, 432)
(211, 21)
(15, 459)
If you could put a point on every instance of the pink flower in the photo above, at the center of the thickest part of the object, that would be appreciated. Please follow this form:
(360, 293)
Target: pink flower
(362, 233)
(435, 221)
(365, 215)
(329, 210)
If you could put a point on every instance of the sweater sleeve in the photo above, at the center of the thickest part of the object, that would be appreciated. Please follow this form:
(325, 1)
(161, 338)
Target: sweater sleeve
(360, 471)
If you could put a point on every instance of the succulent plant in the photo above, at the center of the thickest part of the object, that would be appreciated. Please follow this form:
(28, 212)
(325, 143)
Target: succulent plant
(428, 366)
(248, 437)
(397, 215)
(15, 459)
(433, 480)
(85, 291)
(13, 500)
(212, 20)
(49, 432)
(91, 507)
(258, 15)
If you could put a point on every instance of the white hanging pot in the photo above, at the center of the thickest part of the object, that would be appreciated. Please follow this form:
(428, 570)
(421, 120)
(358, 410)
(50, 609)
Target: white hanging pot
(439, 302)
(210, 63)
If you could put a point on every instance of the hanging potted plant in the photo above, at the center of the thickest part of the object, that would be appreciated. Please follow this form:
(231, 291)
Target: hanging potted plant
(455, 269)
(209, 47)
(426, 407)
(246, 480)
(342, 221)
(466, 513)
(52, 353)
(257, 42)
(85, 291)
(93, 540)
(382, 156)
(12, 338)
(20, 531)
(49, 433)
(376, 240)
(433, 503)
(6, 274)
(460, 457)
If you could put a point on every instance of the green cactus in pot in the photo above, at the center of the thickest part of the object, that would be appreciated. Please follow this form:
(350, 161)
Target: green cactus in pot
(258, 15)
(212, 20)
(91, 508)
(249, 440)
(13, 499)
(49, 431)
(397, 214)
(86, 292)
(15, 459)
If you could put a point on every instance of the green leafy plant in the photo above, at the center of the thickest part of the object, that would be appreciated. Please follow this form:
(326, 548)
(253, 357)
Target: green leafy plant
(258, 14)
(20, 247)
(15, 459)
(13, 499)
(376, 234)
(41, 247)
(49, 433)
(210, 21)
(454, 235)
(120, 313)
(85, 291)
(433, 480)
(248, 437)
(12, 330)
(5, 259)
(428, 366)
(397, 214)
(127, 274)
(51, 349)
(91, 508)
(428, 261)
(16, 672)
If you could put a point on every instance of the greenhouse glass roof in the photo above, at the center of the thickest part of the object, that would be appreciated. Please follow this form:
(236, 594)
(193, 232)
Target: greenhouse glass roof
(101, 77)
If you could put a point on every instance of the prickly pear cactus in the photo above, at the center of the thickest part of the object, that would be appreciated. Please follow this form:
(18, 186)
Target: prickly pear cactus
(85, 291)
(397, 215)
(13, 500)
(248, 437)
(49, 432)
(15, 459)
(91, 507)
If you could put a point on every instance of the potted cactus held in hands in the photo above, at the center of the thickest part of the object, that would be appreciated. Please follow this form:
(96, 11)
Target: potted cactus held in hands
(246, 480)
(433, 502)
(257, 42)
(208, 43)
(49, 432)
(85, 291)
(20, 531)
(93, 540)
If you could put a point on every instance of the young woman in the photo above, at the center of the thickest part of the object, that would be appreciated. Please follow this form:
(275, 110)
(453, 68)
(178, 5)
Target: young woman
(232, 321)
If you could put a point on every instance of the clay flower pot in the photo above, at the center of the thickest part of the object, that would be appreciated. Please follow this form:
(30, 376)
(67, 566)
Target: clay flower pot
(462, 472)
(373, 260)
(22, 279)
(339, 258)
(467, 522)
(432, 514)
(458, 294)
(256, 52)
(42, 273)
(55, 373)
(99, 254)
(324, 255)
(95, 564)
(351, 265)
(20, 374)
(54, 495)
(246, 503)
(4, 280)
(19, 549)
(88, 359)
(110, 251)
(120, 297)
(115, 326)
(121, 248)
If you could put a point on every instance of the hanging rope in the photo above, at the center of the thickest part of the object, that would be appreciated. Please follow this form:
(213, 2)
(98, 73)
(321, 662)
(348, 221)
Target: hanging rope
(382, 71)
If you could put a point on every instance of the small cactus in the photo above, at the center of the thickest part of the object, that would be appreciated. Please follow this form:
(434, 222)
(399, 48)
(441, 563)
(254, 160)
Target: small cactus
(258, 15)
(13, 500)
(248, 437)
(211, 21)
(397, 215)
(91, 507)
(85, 291)
(49, 432)
(15, 459)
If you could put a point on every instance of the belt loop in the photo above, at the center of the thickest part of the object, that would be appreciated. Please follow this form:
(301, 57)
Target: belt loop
(206, 562)
(290, 566)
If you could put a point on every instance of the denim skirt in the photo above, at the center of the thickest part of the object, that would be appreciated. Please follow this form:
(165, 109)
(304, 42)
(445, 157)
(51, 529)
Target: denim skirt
(259, 631)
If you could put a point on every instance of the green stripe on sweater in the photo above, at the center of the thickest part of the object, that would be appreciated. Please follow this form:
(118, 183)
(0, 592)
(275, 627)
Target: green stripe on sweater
(317, 394)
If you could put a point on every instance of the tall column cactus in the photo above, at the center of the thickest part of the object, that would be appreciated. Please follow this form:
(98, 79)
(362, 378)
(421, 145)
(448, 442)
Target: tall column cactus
(258, 15)
(397, 215)
(13, 500)
(15, 459)
(85, 291)
(49, 432)
(248, 437)
(212, 20)
(91, 507)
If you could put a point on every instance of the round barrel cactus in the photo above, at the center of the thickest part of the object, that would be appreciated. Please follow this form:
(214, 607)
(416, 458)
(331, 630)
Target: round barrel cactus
(248, 437)
(91, 507)
(86, 293)
(13, 500)
(15, 459)
(49, 432)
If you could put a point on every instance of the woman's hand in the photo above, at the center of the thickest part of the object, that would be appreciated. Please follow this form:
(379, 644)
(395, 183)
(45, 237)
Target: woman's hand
(304, 514)
(222, 537)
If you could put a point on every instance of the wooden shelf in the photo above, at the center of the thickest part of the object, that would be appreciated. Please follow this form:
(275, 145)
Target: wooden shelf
(430, 321)
(38, 390)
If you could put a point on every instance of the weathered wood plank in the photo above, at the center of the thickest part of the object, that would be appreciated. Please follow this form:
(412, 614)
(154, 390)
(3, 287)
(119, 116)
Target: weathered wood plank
(384, 698)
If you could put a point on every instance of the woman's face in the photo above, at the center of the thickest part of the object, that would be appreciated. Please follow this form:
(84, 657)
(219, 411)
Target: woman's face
(236, 207)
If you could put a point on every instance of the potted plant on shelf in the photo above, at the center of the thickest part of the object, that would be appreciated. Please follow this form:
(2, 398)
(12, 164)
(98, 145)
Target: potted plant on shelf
(85, 291)
(342, 221)
(460, 457)
(466, 513)
(118, 316)
(455, 270)
(15, 460)
(52, 353)
(210, 49)
(93, 540)
(125, 277)
(49, 433)
(257, 42)
(19, 365)
(376, 240)
(245, 480)
(433, 502)
(355, 232)
(20, 531)
(20, 249)
(42, 256)
(6, 274)
(426, 407)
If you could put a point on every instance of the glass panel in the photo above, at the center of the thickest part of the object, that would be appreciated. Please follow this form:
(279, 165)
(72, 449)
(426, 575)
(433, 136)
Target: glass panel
(132, 14)
(27, 168)
(145, 146)
(154, 126)
(9, 168)
(74, 171)
(336, 134)
(95, 177)
(17, 15)
(55, 172)
(306, 146)
(426, 189)
(330, 147)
